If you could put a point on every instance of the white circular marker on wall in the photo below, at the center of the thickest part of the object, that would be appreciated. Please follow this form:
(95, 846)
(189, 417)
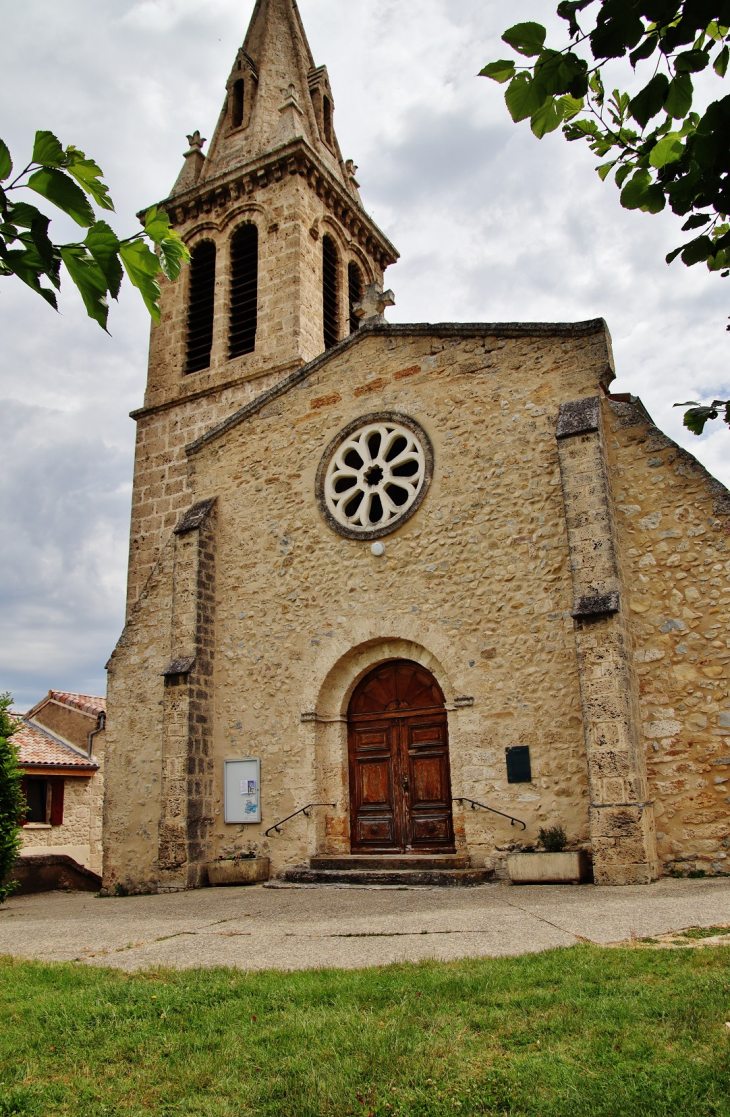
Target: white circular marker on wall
(378, 549)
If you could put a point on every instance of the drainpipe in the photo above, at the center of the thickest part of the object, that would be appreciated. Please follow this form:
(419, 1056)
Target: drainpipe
(100, 724)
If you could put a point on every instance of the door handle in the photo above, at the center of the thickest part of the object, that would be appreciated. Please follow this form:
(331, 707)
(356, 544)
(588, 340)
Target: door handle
(405, 783)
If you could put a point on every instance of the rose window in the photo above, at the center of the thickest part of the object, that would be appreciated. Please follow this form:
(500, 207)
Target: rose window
(375, 476)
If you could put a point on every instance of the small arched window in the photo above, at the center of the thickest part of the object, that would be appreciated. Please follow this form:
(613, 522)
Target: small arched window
(244, 291)
(330, 292)
(356, 292)
(201, 305)
(327, 120)
(239, 91)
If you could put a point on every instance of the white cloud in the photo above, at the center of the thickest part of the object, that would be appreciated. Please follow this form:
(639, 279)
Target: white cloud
(492, 224)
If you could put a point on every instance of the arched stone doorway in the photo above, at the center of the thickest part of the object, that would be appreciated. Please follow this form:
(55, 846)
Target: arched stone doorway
(400, 780)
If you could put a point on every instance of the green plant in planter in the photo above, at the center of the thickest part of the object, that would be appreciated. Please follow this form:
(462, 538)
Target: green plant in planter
(12, 800)
(554, 839)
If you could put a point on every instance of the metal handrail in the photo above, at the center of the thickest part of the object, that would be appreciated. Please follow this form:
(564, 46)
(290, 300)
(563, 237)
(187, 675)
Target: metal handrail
(484, 807)
(302, 810)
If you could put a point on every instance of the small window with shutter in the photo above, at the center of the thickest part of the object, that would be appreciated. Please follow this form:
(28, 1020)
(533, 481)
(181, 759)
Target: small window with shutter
(238, 96)
(519, 769)
(244, 291)
(57, 794)
(201, 306)
(330, 292)
(354, 279)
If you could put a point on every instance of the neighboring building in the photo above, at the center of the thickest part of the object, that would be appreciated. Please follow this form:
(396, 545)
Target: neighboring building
(62, 755)
(395, 568)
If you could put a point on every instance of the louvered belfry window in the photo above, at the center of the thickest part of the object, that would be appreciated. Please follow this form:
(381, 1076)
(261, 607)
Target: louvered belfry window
(244, 291)
(354, 280)
(239, 90)
(201, 305)
(330, 292)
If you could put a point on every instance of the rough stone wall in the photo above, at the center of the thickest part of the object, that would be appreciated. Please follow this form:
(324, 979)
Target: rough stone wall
(478, 582)
(622, 824)
(80, 835)
(673, 521)
(291, 219)
(134, 735)
(73, 725)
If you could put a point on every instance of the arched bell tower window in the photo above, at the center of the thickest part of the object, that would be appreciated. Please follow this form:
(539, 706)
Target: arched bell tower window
(244, 291)
(238, 95)
(201, 305)
(356, 292)
(327, 120)
(330, 292)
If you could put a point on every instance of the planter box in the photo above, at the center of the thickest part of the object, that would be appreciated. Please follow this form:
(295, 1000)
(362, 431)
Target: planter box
(250, 871)
(548, 868)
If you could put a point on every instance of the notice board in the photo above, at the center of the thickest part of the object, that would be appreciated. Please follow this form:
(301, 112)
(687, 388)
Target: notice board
(242, 790)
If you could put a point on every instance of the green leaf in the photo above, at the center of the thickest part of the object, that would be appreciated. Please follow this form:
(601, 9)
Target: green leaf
(142, 267)
(571, 106)
(500, 71)
(696, 221)
(173, 254)
(650, 100)
(715, 31)
(696, 417)
(6, 163)
(721, 62)
(526, 38)
(156, 224)
(605, 169)
(547, 118)
(670, 259)
(88, 175)
(28, 267)
(691, 61)
(668, 150)
(90, 280)
(679, 97)
(699, 249)
(48, 150)
(103, 244)
(640, 193)
(59, 189)
(623, 173)
(524, 97)
(644, 50)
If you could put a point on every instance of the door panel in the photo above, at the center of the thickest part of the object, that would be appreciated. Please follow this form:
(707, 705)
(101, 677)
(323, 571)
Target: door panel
(429, 818)
(400, 783)
(376, 821)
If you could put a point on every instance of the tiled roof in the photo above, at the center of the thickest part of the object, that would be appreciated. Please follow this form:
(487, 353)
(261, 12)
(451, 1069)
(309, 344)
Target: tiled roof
(86, 703)
(40, 749)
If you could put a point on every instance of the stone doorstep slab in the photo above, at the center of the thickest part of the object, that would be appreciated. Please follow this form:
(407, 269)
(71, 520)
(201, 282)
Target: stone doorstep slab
(442, 878)
(389, 862)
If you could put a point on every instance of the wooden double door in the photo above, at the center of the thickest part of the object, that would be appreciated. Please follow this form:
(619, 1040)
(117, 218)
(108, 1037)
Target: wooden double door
(400, 780)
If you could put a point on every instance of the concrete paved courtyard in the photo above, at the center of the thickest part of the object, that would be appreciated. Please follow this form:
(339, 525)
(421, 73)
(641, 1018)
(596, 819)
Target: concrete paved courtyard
(311, 927)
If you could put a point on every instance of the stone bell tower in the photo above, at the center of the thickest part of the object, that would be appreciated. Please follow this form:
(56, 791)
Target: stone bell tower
(282, 253)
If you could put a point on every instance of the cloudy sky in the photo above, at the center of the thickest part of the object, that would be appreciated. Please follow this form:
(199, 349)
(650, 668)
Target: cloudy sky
(492, 225)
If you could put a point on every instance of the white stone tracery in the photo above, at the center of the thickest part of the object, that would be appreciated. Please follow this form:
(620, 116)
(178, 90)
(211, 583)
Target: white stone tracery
(375, 476)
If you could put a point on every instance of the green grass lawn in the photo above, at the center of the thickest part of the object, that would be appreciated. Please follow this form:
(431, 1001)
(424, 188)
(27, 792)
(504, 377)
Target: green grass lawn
(571, 1033)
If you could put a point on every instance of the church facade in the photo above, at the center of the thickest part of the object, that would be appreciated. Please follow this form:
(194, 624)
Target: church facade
(396, 573)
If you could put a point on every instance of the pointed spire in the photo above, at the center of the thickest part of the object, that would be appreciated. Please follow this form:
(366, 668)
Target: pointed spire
(275, 94)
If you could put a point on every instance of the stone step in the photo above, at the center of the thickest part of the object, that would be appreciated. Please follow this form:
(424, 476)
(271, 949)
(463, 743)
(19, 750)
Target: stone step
(394, 861)
(440, 878)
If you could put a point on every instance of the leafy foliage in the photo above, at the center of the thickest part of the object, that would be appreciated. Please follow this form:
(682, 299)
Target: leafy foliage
(699, 413)
(12, 800)
(71, 182)
(553, 839)
(659, 150)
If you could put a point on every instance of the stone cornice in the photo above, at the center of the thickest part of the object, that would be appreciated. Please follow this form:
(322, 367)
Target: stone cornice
(420, 329)
(216, 195)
